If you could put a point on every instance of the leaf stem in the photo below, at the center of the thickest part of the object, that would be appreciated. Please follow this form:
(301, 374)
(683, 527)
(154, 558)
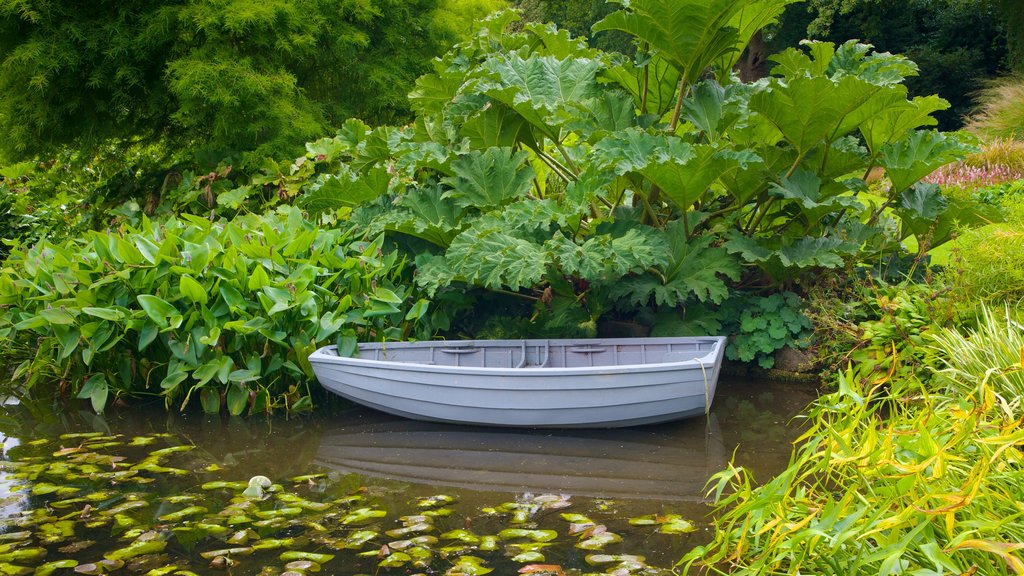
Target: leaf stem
(679, 106)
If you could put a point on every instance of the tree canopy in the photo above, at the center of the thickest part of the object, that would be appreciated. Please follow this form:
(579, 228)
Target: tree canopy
(210, 74)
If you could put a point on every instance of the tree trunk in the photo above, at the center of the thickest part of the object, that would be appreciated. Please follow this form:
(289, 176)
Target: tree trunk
(751, 66)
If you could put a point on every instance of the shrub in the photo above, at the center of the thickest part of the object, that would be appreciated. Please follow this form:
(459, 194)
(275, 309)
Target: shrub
(225, 311)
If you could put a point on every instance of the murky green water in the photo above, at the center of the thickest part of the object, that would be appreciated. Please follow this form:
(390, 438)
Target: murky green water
(150, 493)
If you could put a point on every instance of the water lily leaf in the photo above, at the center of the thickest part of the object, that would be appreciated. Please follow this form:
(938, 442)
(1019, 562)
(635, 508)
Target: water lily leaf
(8, 569)
(468, 566)
(124, 507)
(23, 555)
(184, 513)
(667, 523)
(411, 529)
(462, 536)
(274, 543)
(303, 566)
(171, 450)
(311, 556)
(236, 551)
(51, 567)
(599, 541)
(435, 501)
(359, 538)
(535, 535)
(361, 516)
(137, 548)
(222, 485)
(594, 559)
(395, 560)
(530, 556)
(488, 543)
(280, 512)
(43, 488)
(15, 536)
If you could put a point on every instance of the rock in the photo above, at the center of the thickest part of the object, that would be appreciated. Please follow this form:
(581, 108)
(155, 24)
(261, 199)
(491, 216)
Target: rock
(791, 359)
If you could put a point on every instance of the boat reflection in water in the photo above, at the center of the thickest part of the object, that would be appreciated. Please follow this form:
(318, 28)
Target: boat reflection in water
(665, 462)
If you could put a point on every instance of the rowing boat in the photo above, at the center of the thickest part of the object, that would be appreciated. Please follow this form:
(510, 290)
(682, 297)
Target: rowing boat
(571, 383)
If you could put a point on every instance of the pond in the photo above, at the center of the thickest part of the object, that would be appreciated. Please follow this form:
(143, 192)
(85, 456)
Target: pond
(359, 492)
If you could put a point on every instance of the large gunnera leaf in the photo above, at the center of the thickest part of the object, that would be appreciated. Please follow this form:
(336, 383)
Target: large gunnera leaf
(909, 160)
(539, 86)
(346, 188)
(695, 270)
(495, 259)
(489, 179)
(690, 34)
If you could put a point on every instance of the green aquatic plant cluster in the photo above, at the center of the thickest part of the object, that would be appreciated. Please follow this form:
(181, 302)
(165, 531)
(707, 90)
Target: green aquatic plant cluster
(99, 503)
(223, 312)
(894, 476)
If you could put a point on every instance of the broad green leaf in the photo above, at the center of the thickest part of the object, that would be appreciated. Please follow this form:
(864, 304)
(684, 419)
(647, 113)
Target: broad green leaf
(662, 84)
(192, 289)
(346, 188)
(538, 86)
(609, 112)
(917, 156)
(425, 213)
(695, 270)
(602, 257)
(489, 179)
(210, 400)
(814, 200)
(809, 111)
(434, 91)
(690, 34)
(895, 123)
(685, 182)
(160, 311)
(112, 314)
(96, 390)
(496, 126)
(494, 259)
(237, 399)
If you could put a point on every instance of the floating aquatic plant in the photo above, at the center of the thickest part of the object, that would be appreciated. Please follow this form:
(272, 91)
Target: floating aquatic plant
(86, 520)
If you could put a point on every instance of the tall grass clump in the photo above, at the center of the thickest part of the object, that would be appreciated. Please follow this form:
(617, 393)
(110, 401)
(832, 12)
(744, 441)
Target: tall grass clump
(987, 264)
(910, 476)
(1000, 110)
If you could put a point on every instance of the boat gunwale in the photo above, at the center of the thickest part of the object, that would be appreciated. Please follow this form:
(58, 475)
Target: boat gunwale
(708, 362)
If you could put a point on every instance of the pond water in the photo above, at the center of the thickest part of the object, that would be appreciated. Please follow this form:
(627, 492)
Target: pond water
(359, 492)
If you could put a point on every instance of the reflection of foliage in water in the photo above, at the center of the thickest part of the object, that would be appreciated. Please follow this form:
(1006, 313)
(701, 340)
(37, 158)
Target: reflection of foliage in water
(150, 504)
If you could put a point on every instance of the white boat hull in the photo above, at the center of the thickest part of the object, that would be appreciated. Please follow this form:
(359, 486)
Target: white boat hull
(532, 383)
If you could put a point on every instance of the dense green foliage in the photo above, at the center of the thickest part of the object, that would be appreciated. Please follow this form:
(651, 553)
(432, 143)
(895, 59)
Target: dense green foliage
(561, 186)
(893, 476)
(227, 312)
(957, 44)
(595, 187)
(202, 74)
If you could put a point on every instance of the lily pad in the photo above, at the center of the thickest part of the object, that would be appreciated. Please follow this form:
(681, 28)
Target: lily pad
(435, 501)
(530, 556)
(468, 566)
(363, 515)
(535, 535)
(51, 567)
(599, 541)
(667, 523)
(312, 556)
